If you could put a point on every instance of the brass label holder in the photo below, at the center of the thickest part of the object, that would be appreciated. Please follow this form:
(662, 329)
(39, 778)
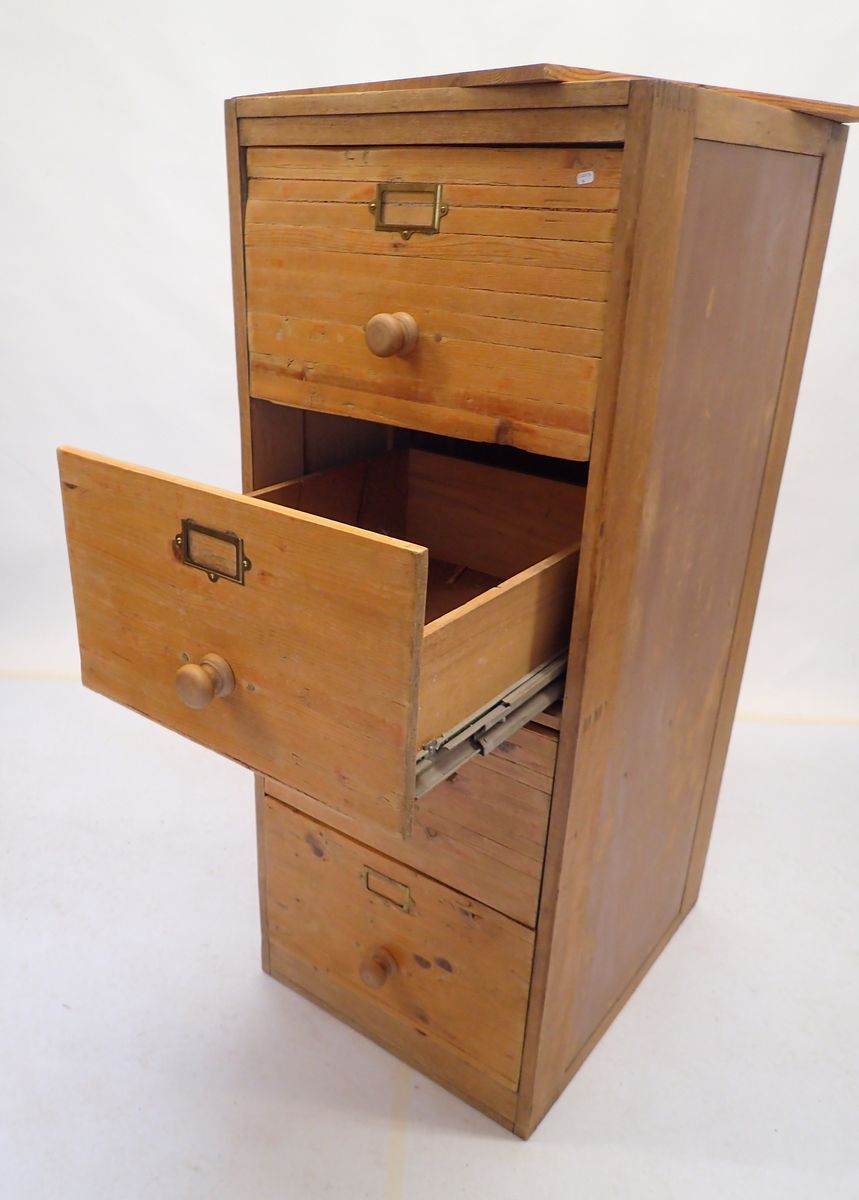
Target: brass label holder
(391, 197)
(219, 553)
(398, 894)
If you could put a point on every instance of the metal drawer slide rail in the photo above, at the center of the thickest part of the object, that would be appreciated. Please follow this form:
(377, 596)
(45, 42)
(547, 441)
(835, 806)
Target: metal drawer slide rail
(486, 730)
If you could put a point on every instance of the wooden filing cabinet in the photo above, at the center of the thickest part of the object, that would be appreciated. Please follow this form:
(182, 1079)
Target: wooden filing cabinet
(518, 353)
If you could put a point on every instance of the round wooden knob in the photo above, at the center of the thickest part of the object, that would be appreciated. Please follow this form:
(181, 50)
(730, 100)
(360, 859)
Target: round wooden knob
(199, 683)
(391, 333)
(380, 966)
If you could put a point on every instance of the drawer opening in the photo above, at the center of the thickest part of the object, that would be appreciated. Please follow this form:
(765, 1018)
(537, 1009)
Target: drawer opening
(502, 560)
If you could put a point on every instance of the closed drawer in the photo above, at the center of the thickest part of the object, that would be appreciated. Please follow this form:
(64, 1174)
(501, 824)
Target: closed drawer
(351, 645)
(358, 929)
(508, 296)
(482, 831)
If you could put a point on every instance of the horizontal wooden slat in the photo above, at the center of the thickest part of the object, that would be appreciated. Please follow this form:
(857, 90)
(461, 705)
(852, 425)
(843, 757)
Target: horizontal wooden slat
(588, 198)
(269, 381)
(524, 166)
(451, 99)
(544, 283)
(549, 224)
(534, 252)
(505, 126)
(364, 280)
(550, 718)
(318, 350)
(319, 299)
(547, 75)
(727, 118)
(511, 812)
(813, 108)
(530, 757)
(541, 73)
(450, 361)
(536, 751)
(571, 411)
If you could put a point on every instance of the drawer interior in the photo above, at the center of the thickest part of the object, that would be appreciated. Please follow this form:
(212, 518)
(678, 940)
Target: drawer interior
(502, 557)
(481, 525)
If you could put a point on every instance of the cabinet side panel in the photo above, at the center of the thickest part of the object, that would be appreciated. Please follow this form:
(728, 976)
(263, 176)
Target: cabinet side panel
(824, 203)
(682, 489)
(237, 190)
(741, 253)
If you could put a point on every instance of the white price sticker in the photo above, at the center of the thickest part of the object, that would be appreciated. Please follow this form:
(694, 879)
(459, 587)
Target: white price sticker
(585, 177)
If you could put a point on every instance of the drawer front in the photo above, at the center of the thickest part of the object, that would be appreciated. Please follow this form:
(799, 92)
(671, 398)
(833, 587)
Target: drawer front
(508, 296)
(441, 968)
(322, 635)
(298, 644)
(482, 831)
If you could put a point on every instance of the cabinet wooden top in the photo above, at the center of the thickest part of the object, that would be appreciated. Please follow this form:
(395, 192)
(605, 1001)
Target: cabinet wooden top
(541, 85)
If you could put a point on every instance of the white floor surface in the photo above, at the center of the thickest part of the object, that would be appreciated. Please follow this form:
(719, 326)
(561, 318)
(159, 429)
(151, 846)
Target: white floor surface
(143, 1053)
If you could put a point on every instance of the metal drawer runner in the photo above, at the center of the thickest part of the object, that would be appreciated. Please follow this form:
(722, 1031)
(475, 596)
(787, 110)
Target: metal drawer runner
(486, 730)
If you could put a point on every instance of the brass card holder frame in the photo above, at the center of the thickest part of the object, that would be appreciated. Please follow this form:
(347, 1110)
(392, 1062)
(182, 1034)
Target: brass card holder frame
(385, 191)
(398, 894)
(217, 565)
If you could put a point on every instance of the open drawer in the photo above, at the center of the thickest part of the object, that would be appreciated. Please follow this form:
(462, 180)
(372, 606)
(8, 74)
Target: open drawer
(354, 615)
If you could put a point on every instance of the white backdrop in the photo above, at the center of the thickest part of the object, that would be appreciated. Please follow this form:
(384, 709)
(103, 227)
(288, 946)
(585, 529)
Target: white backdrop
(116, 307)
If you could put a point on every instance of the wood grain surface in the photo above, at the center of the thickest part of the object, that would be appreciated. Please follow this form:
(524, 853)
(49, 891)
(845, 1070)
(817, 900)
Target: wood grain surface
(707, 329)
(462, 970)
(508, 296)
(482, 831)
(323, 638)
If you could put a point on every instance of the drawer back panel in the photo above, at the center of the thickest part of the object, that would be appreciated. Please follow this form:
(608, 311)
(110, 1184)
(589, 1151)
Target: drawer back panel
(509, 295)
